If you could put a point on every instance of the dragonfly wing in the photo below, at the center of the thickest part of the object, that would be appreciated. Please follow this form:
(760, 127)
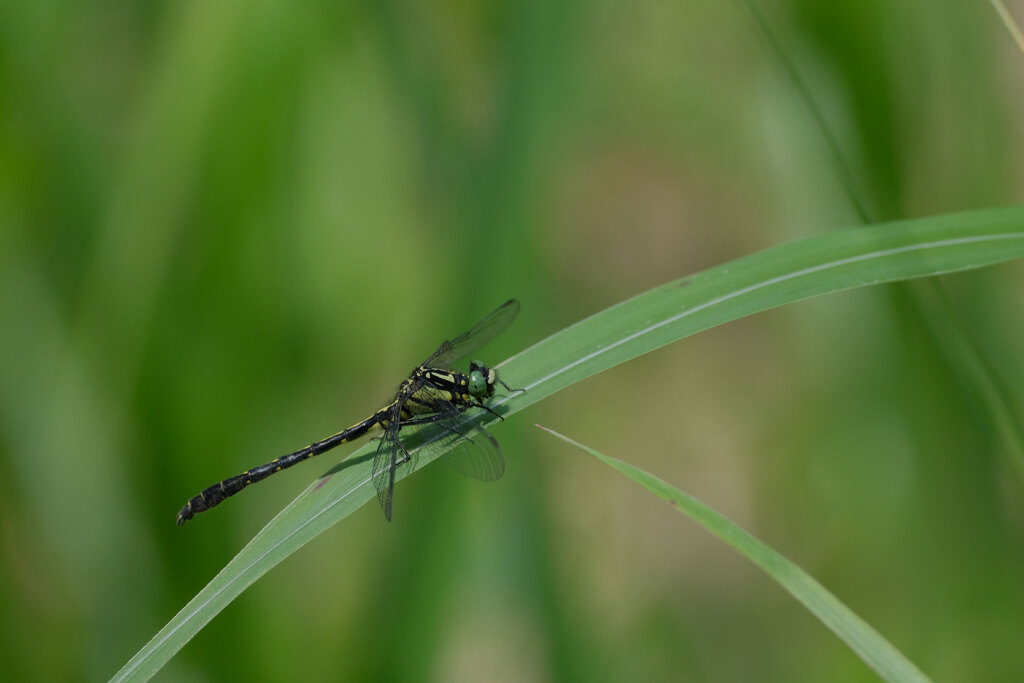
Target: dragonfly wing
(469, 342)
(476, 453)
(480, 458)
(390, 456)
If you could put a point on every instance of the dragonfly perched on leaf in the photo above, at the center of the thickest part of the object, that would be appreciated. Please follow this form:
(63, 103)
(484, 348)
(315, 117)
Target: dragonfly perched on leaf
(434, 393)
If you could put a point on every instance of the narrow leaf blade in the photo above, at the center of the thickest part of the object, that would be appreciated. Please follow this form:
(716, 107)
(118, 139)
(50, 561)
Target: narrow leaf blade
(870, 646)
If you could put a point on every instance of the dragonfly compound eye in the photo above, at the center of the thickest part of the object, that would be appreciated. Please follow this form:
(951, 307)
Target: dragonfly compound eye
(477, 383)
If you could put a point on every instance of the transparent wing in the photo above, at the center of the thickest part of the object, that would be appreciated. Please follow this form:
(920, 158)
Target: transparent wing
(478, 457)
(390, 456)
(484, 331)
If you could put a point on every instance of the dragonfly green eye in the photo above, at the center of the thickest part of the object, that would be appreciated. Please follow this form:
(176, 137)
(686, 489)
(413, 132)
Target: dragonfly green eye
(477, 383)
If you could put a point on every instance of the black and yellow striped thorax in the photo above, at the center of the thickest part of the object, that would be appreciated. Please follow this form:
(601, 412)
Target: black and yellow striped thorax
(432, 390)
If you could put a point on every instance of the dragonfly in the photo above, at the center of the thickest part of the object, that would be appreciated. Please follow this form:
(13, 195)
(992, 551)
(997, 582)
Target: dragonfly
(433, 394)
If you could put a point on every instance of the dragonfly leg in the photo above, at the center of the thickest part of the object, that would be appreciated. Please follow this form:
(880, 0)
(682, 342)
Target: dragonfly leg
(488, 409)
(406, 458)
(509, 389)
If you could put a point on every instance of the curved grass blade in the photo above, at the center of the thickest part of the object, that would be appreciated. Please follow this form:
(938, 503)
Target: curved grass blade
(839, 260)
(866, 642)
(791, 272)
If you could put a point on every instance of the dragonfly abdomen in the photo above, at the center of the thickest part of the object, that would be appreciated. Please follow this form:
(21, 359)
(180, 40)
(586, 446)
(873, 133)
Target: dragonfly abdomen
(216, 494)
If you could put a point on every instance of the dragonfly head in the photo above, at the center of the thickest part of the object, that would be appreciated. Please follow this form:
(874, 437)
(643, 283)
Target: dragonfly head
(481, 380)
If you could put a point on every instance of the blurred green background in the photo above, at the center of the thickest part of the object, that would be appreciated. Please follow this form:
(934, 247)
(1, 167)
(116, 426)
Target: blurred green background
(230, 228)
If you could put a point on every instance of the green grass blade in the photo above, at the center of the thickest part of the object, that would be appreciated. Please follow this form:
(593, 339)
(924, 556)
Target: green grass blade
(870, 646)
(326, 501)
(839, 260)
(791, 272)
(1009, 23)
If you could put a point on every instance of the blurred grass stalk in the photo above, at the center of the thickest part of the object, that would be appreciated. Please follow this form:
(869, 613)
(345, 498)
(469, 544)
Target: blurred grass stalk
(965, 355)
